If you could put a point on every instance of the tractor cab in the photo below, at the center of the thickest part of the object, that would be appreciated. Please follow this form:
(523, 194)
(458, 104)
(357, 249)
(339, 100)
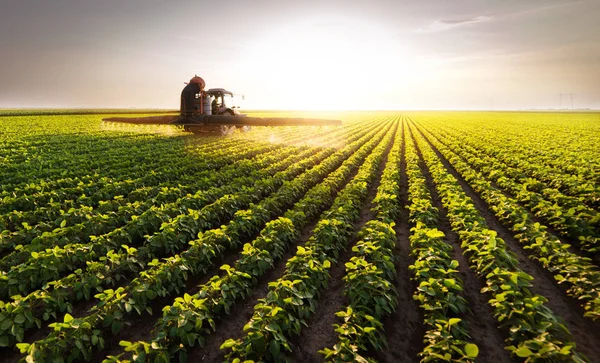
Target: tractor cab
(221, 101)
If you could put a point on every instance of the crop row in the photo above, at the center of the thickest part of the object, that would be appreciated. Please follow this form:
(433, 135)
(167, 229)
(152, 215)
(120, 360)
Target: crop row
(80, 284)
(565, 214)
(50, 257)
(95, 225)
(537, 139)
(121, 259)
(440, 289)
(293, 297)
(109, 153)
(581, 277)
(42, 167)
(547, 180)
(52, 173)
(95, 192)
(534, 331)
(100, 224)
(166, 277)
(95, 186)
(370, 273)
(156, 157)
(192, 317)
(58, 212)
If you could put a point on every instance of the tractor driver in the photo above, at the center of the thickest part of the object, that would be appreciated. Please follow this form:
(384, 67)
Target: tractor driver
(188, 95)
(214, 105)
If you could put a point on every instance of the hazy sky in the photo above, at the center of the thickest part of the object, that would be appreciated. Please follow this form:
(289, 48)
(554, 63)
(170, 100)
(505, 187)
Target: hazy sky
(397, 54)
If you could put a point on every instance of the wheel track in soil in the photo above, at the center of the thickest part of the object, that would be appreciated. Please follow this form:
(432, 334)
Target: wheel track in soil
(230, 326)
(141, 325)
(585, 332)
(480, 318)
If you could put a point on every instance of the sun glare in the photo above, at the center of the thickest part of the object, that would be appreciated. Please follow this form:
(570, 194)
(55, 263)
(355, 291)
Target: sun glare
(321, 65)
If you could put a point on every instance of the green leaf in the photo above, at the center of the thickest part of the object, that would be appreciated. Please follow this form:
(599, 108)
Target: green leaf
(115, 327)
(228, 344)
(6, 324)
(23, 347)
(19, 319)
(274, 348)
(434, 233)
(566, 349)
(68, 318)
(523, 352)
(454, 321)
(4, 341)
(471, 350)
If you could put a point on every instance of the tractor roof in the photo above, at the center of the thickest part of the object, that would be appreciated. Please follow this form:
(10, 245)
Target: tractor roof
(213, 91)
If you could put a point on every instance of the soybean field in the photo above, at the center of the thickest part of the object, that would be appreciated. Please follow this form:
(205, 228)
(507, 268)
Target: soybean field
(396, 237)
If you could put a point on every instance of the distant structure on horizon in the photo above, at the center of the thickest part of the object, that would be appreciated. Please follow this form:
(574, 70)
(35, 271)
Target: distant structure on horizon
(561, 95)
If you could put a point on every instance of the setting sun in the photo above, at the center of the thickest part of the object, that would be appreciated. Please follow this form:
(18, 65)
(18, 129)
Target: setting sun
(339, 64)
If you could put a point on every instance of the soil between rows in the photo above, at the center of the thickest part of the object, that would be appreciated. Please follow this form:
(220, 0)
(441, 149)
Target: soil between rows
(586, 333)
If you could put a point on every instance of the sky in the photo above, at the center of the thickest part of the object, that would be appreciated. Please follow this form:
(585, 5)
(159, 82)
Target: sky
(318, 55)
